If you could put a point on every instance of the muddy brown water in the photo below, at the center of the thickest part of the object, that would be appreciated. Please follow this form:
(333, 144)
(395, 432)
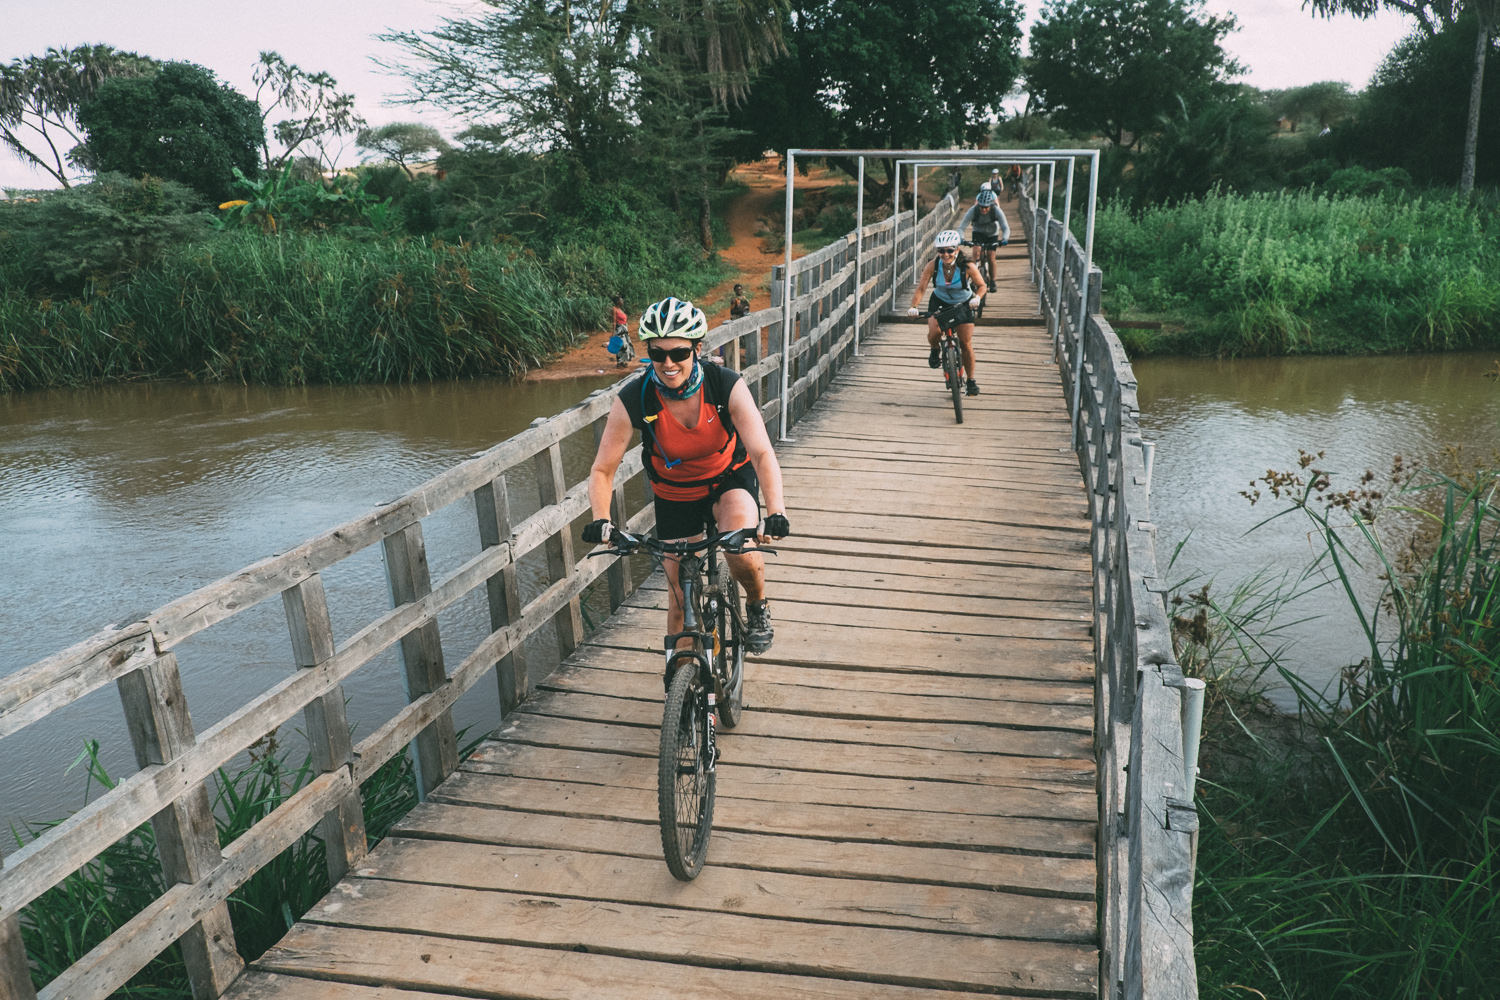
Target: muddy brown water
(118, 499)
(115, 500)
(1220, 424)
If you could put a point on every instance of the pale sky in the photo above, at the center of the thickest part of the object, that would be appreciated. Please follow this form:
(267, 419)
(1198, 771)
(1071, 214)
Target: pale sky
(1280, 44)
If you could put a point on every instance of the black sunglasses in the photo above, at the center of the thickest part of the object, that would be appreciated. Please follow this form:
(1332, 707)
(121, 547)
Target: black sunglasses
(661, 354)
(945, 251)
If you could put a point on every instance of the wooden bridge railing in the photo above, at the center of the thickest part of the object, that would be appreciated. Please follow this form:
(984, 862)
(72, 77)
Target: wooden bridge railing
(1147, 819)
(170, 791)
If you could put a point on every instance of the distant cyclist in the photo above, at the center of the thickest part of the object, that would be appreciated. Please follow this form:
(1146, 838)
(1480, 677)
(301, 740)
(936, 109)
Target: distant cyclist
(1013, 182)
(707, 454)
(955, 282)
(990, 230)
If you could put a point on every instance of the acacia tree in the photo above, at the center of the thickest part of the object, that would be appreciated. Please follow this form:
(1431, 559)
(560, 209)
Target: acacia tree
(402, 141)
(1432, 16)
(1119, 67)
(40, 97)
(1325, 102)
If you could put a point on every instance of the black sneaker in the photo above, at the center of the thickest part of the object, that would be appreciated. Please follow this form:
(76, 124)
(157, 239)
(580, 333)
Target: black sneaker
(972, 388)
(933, 358)
(758, 632)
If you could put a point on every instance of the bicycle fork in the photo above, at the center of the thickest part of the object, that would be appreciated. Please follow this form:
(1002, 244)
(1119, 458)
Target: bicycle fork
(691, 629)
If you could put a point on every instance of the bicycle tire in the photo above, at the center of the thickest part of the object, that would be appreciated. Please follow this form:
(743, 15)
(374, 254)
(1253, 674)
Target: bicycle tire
(730, 658)
(954, 371)
(684, 785)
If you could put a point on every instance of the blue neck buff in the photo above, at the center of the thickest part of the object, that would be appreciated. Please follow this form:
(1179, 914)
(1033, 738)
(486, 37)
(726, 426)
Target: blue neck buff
(692, 385)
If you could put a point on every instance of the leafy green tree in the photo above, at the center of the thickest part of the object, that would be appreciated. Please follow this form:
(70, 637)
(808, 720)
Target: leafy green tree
(1219, 143)
(1433, 16)
(40, 96)
(900, 74)
(1412, 115)
(180, 124)
(402, 141)
(319, 113)
(1118, 67)
(1324, 103)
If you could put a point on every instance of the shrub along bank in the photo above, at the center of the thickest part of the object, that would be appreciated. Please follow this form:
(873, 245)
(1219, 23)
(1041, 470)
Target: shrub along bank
(1298, 272)
(1352, 850)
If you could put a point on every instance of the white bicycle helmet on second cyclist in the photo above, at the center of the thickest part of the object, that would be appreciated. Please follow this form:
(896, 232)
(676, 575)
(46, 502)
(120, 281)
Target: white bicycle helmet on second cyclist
(673, 317)
(985, 198)
(946, 239)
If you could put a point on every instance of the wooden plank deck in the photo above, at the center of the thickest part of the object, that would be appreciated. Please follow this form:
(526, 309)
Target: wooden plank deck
(907, 811)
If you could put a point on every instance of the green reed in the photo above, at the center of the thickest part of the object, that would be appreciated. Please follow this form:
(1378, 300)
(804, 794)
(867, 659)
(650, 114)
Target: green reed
(293, 309)
(1297, 272)
(61, 925)
(1353, 849)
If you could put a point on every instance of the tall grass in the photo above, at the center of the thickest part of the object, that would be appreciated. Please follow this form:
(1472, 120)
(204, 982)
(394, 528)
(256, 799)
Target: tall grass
(61, 925)
(1353, 849)
(1298, 272)
(292, 309)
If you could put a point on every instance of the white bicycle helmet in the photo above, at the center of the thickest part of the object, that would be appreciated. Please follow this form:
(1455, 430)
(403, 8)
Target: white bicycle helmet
(673, 317)
(986, 197)
(947, 238)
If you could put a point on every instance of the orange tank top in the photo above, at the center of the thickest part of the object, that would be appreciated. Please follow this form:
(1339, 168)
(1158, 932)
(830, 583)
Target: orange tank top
(690, 455)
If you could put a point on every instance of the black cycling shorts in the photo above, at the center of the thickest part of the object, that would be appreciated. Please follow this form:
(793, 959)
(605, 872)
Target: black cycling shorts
(965, 312)
(677, 519)
(987, 242)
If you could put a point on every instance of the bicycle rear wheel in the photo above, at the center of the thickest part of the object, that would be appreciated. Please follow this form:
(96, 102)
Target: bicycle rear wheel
(954, 373)
(729, 660)
(684, 783)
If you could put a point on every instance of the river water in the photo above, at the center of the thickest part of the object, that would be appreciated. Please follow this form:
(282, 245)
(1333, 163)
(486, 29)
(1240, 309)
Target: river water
(118, 499)
(115, 500)
(1220, 424)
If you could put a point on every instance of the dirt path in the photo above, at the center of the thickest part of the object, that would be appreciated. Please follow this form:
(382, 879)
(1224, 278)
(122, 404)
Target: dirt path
(747, 254)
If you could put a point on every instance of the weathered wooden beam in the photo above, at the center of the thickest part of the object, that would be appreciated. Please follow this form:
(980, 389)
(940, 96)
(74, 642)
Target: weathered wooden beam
(15, 969)
(492, 505)
(31, 693)
(435, 750)
(618, 574)
(552, 483)
(342, 827)
(187, 836)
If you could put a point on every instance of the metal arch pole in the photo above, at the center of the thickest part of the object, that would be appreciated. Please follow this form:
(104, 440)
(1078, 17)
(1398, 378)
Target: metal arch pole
(859, 251)
(1056, 324)
(1083, 296)
(1041, 281)
(915, 211)
(896, 235)
(786, 301)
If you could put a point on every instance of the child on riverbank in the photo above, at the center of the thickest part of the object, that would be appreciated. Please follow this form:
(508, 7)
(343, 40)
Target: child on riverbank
(620, 345)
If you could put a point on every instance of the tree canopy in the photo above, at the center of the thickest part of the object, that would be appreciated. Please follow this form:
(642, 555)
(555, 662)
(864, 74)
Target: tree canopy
(179, 124)
(402, 141)
(40, 96)
(1122, 67)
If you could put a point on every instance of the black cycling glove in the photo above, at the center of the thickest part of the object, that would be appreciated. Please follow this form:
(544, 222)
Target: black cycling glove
(597, 532)
(775, 526)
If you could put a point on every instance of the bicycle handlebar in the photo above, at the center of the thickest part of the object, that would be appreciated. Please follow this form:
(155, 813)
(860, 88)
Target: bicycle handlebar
(623, 543)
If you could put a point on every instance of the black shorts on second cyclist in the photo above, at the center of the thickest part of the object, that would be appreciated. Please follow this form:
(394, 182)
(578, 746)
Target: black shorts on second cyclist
(987, 242)
(686, 518)
(965, 312)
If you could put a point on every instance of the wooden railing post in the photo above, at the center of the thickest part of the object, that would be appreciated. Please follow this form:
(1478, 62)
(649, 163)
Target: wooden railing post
(187, 837)
(553, 485)
(15, 971)
(751, 343)
(777, 344)
(618, 575)
(492, 505)
(435, 748)
(342, 827)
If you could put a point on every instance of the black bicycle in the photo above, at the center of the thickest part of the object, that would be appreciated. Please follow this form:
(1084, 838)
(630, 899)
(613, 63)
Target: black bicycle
(705, 686)
(949, 319)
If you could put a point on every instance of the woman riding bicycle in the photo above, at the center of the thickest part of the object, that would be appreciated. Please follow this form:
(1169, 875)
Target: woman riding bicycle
(707, 452)
(956, 282)
(990, 228)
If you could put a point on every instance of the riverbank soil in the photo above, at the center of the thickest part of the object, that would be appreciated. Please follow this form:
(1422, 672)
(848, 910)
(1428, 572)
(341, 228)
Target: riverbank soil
(747, 215)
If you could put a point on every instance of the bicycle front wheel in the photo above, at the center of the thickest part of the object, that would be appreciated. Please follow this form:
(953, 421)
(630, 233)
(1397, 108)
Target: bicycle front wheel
(954, 372)
(684, 782)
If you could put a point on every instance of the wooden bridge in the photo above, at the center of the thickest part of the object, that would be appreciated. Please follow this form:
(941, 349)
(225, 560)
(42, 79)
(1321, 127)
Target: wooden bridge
(910, 808)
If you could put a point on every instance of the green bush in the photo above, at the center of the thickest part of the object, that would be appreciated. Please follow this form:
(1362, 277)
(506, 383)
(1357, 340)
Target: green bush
(1302, 272)
(179, 123)
(98, 231)
(297, 308)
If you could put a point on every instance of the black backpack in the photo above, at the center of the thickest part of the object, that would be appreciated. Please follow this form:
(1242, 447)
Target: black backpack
(643, 406)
